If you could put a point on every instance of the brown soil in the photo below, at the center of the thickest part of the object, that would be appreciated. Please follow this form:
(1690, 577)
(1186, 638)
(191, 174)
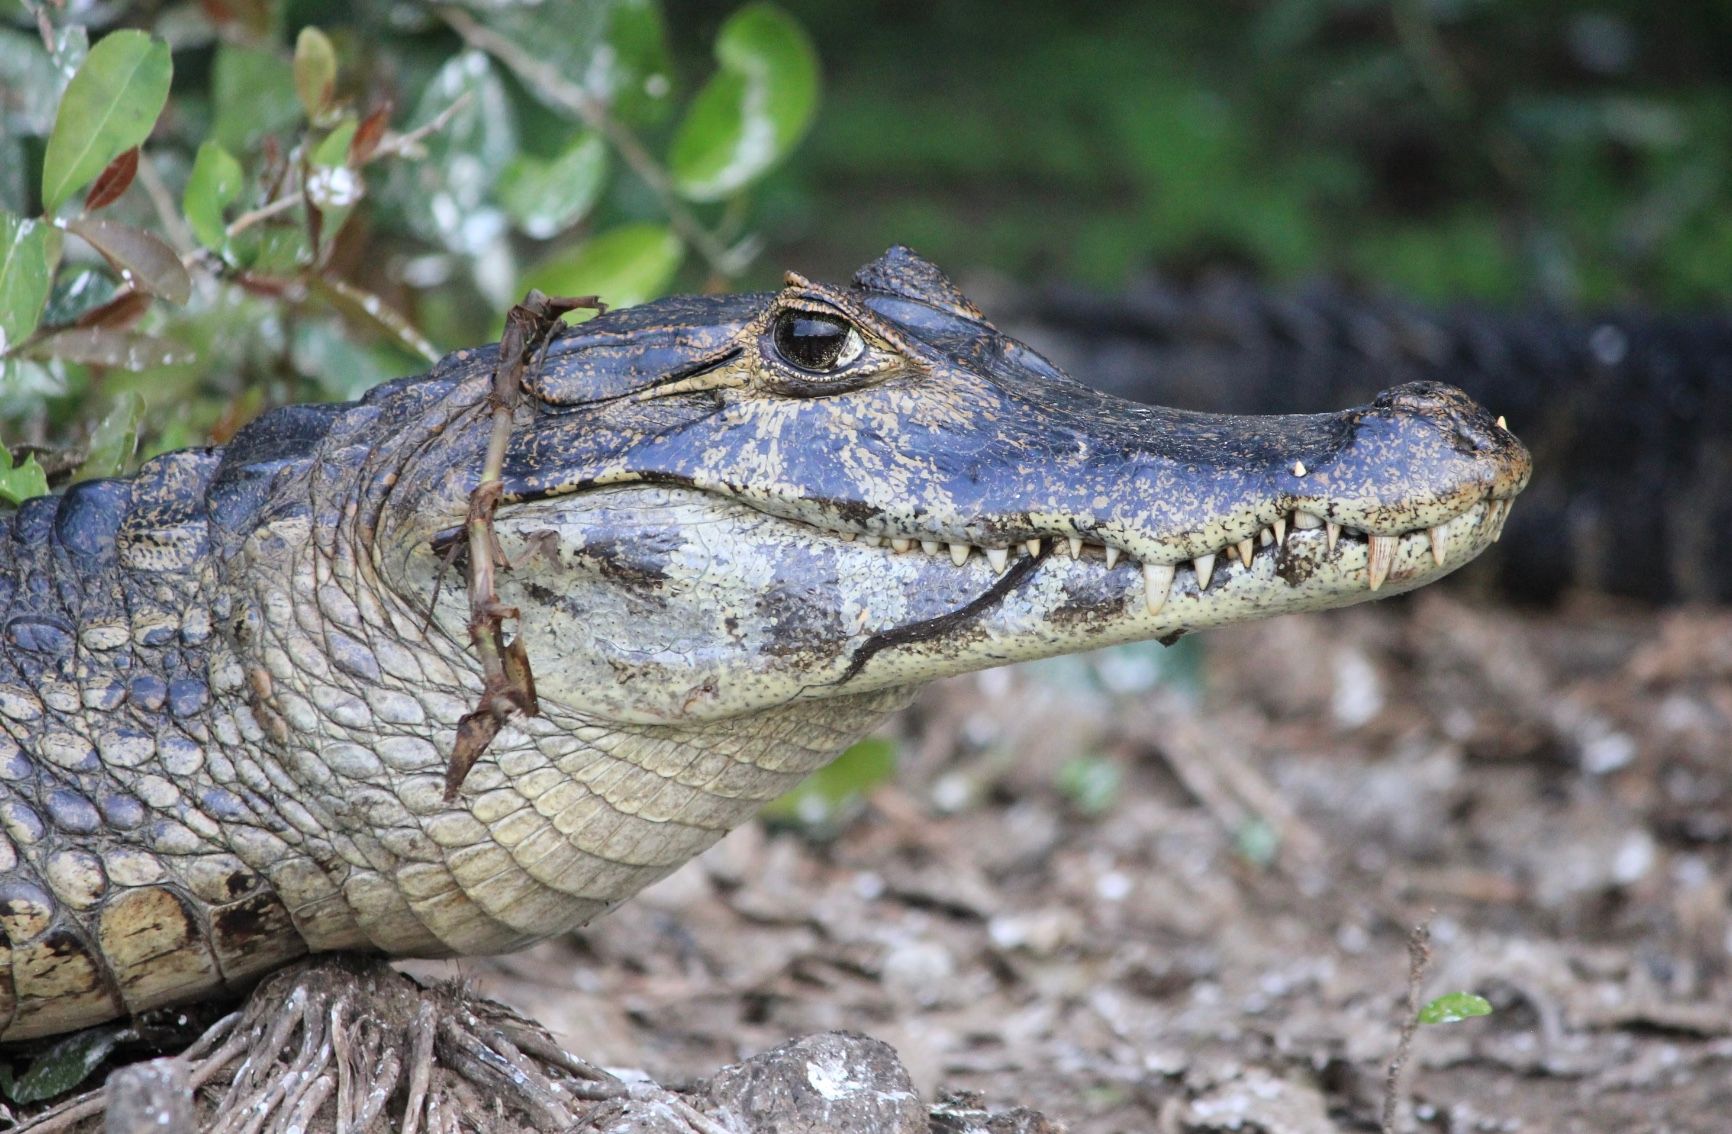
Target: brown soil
(1219, 942)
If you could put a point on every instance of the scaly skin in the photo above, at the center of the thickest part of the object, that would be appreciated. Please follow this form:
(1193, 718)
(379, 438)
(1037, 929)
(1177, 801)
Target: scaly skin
(232, 682)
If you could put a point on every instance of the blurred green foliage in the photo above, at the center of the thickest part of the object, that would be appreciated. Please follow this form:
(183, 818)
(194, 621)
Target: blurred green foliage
(208, 209)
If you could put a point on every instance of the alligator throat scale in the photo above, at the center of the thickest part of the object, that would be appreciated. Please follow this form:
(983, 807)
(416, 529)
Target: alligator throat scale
(742, 529)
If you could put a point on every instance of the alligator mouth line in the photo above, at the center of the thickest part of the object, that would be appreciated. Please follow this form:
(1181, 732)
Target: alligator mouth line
(1484, 517)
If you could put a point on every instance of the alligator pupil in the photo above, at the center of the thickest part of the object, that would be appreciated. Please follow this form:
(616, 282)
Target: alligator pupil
(810, 341)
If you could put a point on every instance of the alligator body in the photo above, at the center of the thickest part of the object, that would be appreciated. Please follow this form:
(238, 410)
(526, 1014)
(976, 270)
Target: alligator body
(1629, 414)
(741, 529)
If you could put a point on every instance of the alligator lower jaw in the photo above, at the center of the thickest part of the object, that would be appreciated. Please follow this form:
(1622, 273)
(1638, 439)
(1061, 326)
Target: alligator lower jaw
(1448, 545)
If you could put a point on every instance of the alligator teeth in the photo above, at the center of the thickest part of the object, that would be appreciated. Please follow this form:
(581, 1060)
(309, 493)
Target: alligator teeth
(1265, 538)
(999, 557)
(1381, 557)
(1436, 535)
(1157, 584)
(1334, 532)
(1502, 424)
(901, 546)
(930, 546)
(1076, 546)
(872, 540)
(1032, 547)
(1247, 548)
(847, 537)
(1112, 556)
(1280, 529)
(1298, 468)
(1305, 521)
(1204, 566)
(959, 553)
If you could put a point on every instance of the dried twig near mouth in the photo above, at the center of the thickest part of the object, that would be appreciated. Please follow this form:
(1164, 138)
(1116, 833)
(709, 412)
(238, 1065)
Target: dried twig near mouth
(508, 682)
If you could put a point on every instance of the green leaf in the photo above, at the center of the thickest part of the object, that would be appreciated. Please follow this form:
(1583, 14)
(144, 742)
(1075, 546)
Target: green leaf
(213, 184)
(751, 113)
(544, 197)
(115, 438)
(109, 107)
(115, 349)
(623, 266)
(28, 250)
(71, 1060)
(1454, 1007)
(252, 94)
(447, 197)
(828, 794)
(333, 151)
(315, 71)
(1091, 783)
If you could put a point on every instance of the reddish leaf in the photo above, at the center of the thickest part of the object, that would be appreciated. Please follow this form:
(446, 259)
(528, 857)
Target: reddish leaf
(368, 135)
(98, 346)
(112, 181)
(118, 313)
(145, 259)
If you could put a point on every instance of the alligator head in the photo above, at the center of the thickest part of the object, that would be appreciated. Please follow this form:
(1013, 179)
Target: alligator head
(740, 529)
(719, 505)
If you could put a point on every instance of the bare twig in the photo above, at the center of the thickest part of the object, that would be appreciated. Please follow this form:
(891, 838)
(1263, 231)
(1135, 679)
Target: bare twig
(1418, 960)
(724, 261)
(508, 683)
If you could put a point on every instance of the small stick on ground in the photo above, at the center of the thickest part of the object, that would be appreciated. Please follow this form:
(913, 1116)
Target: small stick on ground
(508, 684)
(1418, 960)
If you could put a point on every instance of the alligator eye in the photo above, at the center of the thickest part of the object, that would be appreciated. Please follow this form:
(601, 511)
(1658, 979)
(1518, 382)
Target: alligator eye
(817, 342)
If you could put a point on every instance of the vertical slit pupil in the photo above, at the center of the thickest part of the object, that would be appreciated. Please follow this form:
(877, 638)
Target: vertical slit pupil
(809, 340)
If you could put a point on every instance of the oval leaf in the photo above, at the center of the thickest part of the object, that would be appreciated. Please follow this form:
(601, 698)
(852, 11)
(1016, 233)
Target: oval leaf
(753, 111)
(114, 180)
(213, 184)
(623, 266)
(19, 483)
(1454, 1007)
(543, 197)
(118, 350)
(114, 441)
(315, 71)
(72, 1058)
(151, 264)
(26, 269)
(109, 107)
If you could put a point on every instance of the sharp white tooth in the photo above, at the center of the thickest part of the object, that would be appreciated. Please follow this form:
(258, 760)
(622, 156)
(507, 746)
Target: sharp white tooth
(1280, 529)
(1204, 566)
(999, 557)
(1436, 535)
(1265, 538)
(1298, 468)
(1502, 424)
(1112, 556)
(930, 546)
(1381, 557)
(845, 537)
(872, 541)
(1306, 521)
(1076, 546)
(1032, 547)
(1247, 548)
(1334, 530)
(901, 546)
(1157, 584)
(959, 553)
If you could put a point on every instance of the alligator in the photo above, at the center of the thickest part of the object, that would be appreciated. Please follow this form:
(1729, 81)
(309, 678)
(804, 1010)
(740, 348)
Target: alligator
(1628, 412)
(738, 530)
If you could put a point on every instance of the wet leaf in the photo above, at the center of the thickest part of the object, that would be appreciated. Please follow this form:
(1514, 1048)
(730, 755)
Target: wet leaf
(213, 184)
(1454, 1007)
(105, 346)
(315, 71)
(71, 1060)
(333, 150)
(447, 197)
(152, 264)
(615, 49)
(28, 250)
(623, 266)
(118, 313)
(114, 441)
(109, 107)
(113, 181)
(18, 484)
(544, 197)
(76, 293)
(751, 113)
(32, 84)
(252, 95)
(368, 136)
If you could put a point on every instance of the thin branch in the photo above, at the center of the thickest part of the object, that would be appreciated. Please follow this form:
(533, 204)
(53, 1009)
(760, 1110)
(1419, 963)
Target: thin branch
(548, 81)
(1418, 960)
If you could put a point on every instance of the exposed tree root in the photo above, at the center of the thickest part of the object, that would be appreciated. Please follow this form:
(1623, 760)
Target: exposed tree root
(347, 1045)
